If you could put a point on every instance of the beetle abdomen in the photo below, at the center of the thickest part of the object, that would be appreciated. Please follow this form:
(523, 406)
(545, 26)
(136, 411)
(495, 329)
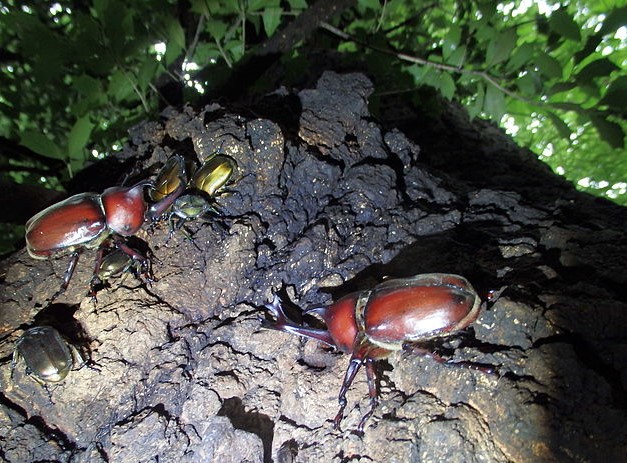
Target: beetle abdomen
(411, 313)
(62, 226)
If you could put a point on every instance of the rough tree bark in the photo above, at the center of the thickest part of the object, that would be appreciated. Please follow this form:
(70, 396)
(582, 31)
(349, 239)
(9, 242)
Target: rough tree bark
(326, 201)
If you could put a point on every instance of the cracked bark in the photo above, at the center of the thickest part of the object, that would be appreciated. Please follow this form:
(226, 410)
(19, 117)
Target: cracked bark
(327, 201)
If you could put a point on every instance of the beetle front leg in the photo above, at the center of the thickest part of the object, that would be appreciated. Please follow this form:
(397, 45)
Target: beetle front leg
(95, 279)
(67, 276)
(373, 392)
(351, 371)
(144, 262)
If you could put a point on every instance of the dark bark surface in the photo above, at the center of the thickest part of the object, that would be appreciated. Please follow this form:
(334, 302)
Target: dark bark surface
(326, 201)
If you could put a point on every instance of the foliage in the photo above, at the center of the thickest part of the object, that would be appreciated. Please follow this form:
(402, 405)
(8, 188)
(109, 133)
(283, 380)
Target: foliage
(76, 75)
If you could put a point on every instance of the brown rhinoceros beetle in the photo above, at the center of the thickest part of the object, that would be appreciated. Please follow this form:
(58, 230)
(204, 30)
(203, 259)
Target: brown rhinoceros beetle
(403, 313)
(87, 221)
(183, 201)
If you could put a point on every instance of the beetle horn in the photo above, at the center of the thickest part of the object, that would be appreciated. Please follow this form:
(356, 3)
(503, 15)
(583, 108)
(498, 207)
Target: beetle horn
(322, 311)
(283, 323)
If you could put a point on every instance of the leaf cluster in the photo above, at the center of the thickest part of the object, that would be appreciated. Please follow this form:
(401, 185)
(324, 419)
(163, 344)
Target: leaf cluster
(75, 75)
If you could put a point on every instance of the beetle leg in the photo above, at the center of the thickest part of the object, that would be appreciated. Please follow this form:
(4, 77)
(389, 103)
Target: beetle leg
(373, 391)
(14, 359)
(417, 350)
(67, 276)
(349, 376)
(283, 323)
(95, 279)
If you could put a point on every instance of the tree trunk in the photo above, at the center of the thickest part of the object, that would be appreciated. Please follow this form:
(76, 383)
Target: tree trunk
(327, 201)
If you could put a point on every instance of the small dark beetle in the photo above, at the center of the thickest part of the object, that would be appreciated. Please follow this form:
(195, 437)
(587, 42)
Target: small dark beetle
(119, 263)
(47, 355)
(187, 201)
(87, 221)
(404, 313)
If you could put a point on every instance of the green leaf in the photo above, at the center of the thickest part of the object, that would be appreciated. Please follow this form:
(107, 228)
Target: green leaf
(458, 57)
(599, 68)
(591, 45)
(369, 4)
(172, 52)
(200, 7)
(560, 125)
(476, 106)
(548, 65)
(176, 33)
(562, 23)
(86, 85)
(297, 4)
(119, 86)
(257, 5)
(146, 73)
(494, 105)
(501, 46)
(527, 85)
(521, 56)
(446, 85)
(271, 19)
(216, 28)
(451, 41)
(39, 143)
(560, 87)
(609, 131)
(79, 136)
(614, 20)
(616, 94)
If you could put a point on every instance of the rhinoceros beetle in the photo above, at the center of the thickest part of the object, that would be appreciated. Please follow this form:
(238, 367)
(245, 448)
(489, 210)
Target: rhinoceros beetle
(48, 357)
(397, 314)
(87, 221)
(180, 201)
